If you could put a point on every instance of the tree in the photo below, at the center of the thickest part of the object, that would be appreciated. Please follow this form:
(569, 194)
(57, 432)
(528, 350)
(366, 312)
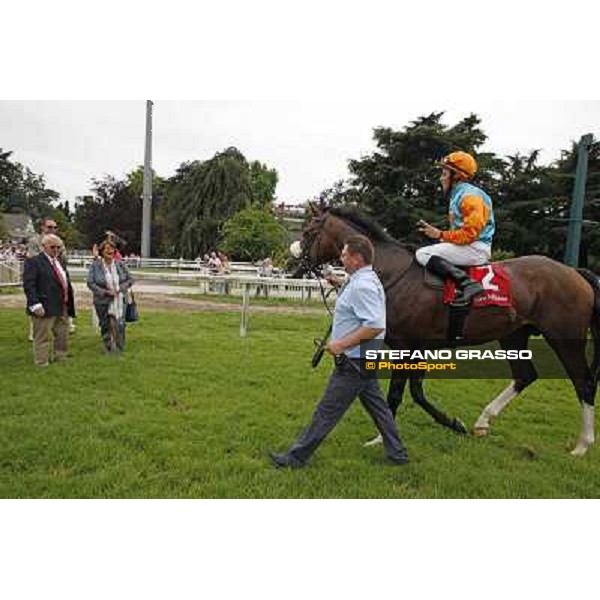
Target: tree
(117, 206)
(66, 229)
(564, 177)
(23, 191)
(263, 182)
(399, 183)
(10, 178)
(3, 230)
(135, 182)
(201, 196)
(253, 233)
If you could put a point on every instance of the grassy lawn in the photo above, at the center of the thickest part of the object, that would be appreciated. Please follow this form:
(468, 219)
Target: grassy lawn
(11, 290)
(315, 302)
(190, 411)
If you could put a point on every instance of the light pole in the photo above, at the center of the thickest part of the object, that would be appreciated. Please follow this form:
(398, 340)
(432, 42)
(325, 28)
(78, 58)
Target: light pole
(576, 214)
(147, 193)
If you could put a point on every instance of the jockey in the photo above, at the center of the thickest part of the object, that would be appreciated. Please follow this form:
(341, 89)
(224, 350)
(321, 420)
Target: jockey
(472, 226)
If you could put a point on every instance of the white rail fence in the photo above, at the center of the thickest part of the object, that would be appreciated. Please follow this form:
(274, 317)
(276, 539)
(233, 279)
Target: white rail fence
(11, 273)
(244, 279)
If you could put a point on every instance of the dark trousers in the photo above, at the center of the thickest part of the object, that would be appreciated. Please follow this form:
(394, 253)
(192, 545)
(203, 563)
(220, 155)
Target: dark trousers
(344, 385)
(112, 330)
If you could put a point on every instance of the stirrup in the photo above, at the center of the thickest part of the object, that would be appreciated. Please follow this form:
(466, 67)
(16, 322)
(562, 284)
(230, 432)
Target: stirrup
(465, 299)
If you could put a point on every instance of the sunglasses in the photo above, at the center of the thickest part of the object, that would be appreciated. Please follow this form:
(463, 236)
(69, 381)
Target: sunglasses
(53, 247)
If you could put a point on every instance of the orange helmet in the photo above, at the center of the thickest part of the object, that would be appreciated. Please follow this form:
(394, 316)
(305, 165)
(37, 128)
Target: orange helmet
(461, 163)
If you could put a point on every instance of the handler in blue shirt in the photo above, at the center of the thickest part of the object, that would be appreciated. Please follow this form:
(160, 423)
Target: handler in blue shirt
(359, 316)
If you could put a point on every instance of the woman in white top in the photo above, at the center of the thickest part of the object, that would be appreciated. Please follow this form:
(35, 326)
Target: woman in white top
(109, 280)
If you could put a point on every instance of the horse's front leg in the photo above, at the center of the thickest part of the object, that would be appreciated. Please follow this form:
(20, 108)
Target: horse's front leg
(418, 395)
(394, 399)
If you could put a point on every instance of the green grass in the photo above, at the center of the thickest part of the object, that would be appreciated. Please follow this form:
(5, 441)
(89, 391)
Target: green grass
(11, 290)
(315, 302)
(190, 410)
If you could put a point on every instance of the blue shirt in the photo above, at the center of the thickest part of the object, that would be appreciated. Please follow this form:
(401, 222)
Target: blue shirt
(360, 303)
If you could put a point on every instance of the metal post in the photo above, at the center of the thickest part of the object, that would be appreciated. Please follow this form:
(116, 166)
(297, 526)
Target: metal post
(147, 194)
(245, 309)
(576, 214)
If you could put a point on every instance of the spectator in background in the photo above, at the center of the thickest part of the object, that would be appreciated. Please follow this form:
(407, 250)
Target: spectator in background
(34, 246)
(115, 240)
(109, 280)
(225, 264)
(215, 266)
(50, 300)
(264, 270)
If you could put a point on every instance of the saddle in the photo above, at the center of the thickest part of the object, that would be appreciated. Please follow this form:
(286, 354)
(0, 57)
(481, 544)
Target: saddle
(491, 276)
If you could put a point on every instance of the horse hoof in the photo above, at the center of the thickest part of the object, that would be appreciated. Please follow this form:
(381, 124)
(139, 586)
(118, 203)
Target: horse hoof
(579, 450)
(481, 431)
(460, 427)
(374, 442)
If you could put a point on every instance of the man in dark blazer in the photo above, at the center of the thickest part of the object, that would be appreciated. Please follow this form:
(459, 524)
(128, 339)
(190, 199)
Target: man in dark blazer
(50, 300)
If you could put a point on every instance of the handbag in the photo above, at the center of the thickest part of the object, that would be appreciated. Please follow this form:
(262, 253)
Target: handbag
(131, 311)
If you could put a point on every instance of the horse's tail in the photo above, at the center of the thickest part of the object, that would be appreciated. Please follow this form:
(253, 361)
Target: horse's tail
(594, 281)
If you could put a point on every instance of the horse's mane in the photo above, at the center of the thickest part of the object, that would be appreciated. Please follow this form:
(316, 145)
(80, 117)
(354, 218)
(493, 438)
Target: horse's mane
(357, 218)
(372, 230)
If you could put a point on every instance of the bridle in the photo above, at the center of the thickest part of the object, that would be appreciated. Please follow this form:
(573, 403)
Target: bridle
(309, 238)
(307, 266)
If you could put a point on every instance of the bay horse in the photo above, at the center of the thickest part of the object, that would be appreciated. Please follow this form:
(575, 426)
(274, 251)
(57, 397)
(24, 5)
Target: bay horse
(559, 302)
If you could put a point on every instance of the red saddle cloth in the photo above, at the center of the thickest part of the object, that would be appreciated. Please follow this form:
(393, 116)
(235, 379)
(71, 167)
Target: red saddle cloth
(494, 280)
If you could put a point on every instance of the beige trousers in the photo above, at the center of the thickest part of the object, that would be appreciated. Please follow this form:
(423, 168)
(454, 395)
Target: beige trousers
(42, 326)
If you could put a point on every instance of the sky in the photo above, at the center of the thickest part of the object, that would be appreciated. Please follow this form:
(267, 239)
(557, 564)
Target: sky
(309, 142)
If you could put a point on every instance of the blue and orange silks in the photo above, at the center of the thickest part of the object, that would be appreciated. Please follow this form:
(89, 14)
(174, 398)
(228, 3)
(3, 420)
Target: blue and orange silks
(471, 216)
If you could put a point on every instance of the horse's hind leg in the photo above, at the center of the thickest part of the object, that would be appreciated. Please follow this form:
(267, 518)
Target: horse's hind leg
(524, 374)
(394, 399)
(572, 355)
(418, 395)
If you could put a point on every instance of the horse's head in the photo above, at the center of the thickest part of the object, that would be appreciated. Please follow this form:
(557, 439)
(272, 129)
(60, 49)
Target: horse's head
(321, 242)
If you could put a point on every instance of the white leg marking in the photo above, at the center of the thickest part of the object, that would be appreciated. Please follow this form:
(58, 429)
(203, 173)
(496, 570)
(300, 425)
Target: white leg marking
(586, 439)
(375, 441)
(495, 407)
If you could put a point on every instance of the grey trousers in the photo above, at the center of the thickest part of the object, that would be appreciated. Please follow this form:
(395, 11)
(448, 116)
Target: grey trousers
(111, 330)
(344, 385)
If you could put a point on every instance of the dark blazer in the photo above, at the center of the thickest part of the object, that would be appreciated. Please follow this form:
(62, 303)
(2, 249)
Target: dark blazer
(42, 286)
(96, 280)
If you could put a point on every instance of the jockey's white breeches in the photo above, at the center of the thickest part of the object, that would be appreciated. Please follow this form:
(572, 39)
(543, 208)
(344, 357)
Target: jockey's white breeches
(469, 255)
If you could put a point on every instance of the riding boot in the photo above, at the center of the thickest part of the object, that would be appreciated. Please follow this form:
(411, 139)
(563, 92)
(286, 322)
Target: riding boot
(465, 285)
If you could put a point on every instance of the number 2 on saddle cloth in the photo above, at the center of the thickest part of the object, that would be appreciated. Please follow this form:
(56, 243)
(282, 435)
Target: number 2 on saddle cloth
(495, 282)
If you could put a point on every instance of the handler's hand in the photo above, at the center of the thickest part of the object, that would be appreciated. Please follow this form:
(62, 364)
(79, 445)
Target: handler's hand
(335, 347)
(39, 311)
(429, 230)
(334, 280)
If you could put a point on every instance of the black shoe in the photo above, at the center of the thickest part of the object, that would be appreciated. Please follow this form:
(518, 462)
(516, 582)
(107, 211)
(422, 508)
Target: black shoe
(285, 461)
(471, 290)
(467, 289)
(397, 462)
